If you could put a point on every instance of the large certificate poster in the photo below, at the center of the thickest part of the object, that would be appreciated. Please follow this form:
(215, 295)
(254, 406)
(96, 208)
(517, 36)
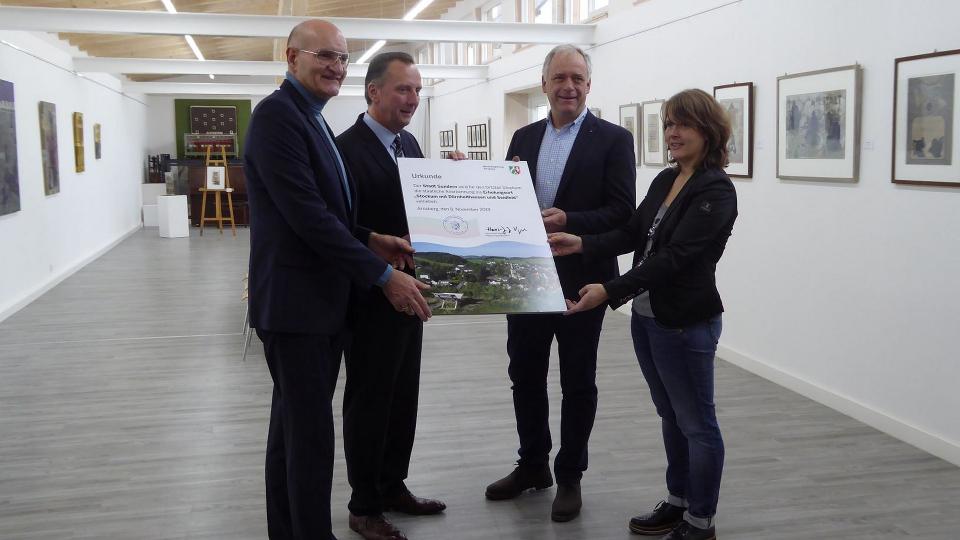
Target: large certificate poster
(479, 237)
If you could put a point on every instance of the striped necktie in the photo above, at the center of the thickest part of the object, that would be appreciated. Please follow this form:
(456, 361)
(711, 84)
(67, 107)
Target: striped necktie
(397, 147)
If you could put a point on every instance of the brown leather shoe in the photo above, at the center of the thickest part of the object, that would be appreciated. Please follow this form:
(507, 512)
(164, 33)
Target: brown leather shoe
(567, 503)
(521, 479)
(375, 528)
(406, 503)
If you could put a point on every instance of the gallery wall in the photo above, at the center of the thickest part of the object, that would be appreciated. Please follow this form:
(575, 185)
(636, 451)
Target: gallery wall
(53, 236)
(846, 292)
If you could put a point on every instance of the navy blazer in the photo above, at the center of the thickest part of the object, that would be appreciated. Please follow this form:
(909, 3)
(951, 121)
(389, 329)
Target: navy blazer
(306, 252)
(680, 271)
(597, 190)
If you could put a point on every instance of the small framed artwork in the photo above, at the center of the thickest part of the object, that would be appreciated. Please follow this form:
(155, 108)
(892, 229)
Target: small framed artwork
(925, 119)
(49, 156)
(478, 143)
(818, 125)
(595, 111)
(654, 149)
(216, 178)
(629, 118)
(96, 141)
(737, 100)
(78, 141)
(448, 140)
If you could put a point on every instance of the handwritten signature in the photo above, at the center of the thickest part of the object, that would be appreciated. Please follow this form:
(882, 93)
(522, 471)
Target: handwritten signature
(505, 230)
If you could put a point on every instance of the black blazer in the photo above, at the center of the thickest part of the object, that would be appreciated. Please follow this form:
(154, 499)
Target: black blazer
(306, 253)
(597, 190)
(380, 199)
(680, 271)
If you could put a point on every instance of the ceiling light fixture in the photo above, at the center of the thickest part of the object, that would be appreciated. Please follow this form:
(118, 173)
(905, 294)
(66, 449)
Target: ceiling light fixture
(410, 15)
(168, 4)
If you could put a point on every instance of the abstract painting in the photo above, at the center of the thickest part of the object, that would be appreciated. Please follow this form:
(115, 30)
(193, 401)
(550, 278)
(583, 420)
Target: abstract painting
(925, 119)
(9, 179)
(818, 124)
(48, 148)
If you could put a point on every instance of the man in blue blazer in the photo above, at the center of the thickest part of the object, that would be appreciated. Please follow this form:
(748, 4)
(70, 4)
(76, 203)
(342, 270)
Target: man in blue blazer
(383, 360)
(584, 174)
(308, 259)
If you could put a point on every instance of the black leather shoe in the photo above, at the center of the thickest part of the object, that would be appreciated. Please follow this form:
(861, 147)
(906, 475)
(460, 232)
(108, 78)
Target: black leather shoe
(662, 520)
(407, 503)
(567, 503)
(375, 528)
(521, 479)
(686, 531)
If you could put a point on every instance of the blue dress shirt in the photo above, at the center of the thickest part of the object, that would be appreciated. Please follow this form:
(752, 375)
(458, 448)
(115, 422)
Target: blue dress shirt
(385, 135)
(554, 151)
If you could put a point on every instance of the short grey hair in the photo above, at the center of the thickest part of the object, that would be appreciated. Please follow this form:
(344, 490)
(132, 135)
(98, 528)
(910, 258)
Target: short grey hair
(564, 49)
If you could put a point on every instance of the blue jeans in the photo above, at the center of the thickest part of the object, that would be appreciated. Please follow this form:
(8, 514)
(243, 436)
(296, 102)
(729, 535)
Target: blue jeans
(678, 366)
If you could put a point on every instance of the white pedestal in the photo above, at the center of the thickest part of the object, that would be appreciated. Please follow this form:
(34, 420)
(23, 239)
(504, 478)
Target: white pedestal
(150, 215)
(172, 216)
(149, 193)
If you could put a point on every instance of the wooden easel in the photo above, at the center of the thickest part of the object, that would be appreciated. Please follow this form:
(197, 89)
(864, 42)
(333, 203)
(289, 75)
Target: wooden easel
(219, 217)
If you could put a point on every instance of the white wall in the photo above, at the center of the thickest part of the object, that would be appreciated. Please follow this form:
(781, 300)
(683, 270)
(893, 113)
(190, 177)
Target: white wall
(847, 293)
(51, 237)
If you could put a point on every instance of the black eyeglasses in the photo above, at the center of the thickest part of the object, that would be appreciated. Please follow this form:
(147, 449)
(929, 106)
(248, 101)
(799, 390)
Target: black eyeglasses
(329, 57)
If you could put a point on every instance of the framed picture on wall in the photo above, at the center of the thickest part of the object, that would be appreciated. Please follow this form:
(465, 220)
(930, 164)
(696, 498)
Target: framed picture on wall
(49, 155)
(654, 149)
(78, 141)
(925, 119)
(478, 142)
(629, 118)
(737, 100)
(595, 111)
(96, 141)
(448, 140)
(9, 175)
(818, 124)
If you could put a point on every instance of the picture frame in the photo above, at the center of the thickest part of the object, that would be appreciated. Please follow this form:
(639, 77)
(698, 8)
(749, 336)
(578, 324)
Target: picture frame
(654, 147)
(595, 111)
(78, 142)
(447, 137)
(9, 168)
(96, 141)
(926, 122)
(478, 141)
(818, 124)
(216, 178)
(737, 100)
(629, 118)
(49, 154)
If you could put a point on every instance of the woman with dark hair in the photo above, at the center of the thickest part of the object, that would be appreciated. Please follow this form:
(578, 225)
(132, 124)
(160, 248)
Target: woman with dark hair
(678, 234)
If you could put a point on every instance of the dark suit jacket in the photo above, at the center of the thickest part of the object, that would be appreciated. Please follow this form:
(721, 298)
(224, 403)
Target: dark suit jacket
(680, 271)
(597, 190)
(380, 200)
(306, 253)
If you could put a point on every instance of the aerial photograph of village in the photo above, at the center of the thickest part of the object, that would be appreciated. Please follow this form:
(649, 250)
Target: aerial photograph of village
(493, 278)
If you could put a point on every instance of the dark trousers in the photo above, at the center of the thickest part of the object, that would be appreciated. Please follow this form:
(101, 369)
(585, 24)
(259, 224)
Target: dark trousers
(529, 338)
(380, 403)
(300, 444)
(678, 366)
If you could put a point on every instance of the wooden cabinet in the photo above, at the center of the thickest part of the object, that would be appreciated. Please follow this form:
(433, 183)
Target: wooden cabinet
(197, 175)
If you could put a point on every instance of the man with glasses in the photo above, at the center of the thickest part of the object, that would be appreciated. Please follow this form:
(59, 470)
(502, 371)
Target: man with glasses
(308, 258)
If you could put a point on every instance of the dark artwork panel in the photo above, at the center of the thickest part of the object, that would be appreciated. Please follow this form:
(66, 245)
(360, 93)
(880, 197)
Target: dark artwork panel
(816, 125)
(930, 120)
(9, 178)
(48, 148)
